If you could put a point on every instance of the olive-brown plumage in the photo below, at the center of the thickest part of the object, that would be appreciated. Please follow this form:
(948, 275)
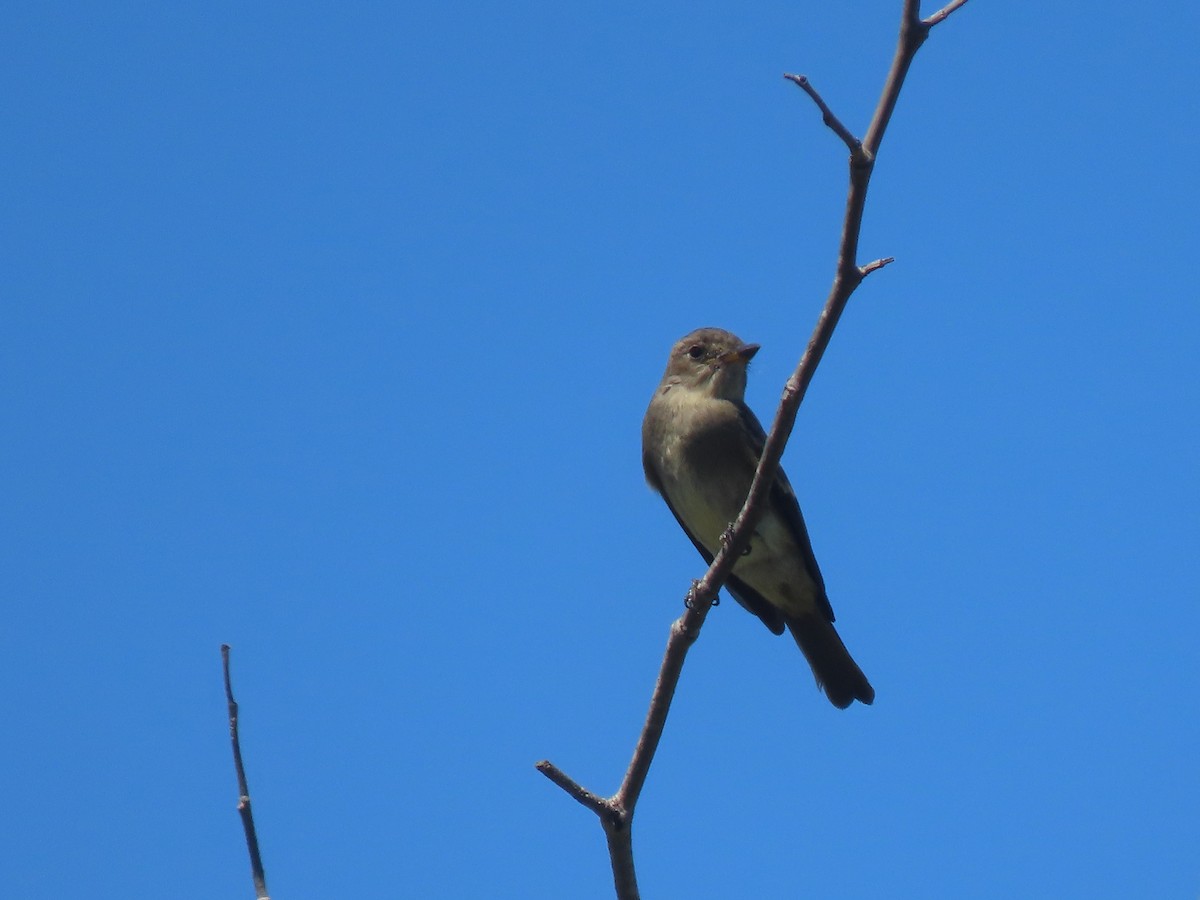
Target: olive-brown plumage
(700, 447)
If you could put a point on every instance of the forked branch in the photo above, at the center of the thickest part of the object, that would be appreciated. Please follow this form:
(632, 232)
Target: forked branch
(616, 812)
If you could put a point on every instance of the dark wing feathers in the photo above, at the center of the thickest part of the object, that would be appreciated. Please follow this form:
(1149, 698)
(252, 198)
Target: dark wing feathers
(785, 502)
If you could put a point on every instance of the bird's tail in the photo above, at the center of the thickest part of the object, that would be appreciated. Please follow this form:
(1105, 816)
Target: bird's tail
(836, 671)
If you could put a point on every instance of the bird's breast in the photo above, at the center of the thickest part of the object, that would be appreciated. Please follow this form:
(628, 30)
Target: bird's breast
(704, 464)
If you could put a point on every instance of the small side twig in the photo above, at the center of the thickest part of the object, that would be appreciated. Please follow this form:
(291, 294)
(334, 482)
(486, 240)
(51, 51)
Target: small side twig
(827, 116)
(616, 812)
(873, 266)
(942, 13)
(256, 866)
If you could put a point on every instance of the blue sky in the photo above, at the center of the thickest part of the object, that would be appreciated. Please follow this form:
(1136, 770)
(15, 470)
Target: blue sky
(327, 332)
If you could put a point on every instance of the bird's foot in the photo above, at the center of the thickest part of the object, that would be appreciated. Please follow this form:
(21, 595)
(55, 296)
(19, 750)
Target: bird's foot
(727, 535)
(727, 539)
(689, 600)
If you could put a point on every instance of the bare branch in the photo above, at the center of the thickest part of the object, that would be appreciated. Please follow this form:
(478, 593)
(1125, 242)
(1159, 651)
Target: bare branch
(594, 802)
(827, 116)
(847, 277)
(256, 866)
(875, 266)
(942, 14)
(683, 634)
(620, 854)
(616, 812)
(912, 35)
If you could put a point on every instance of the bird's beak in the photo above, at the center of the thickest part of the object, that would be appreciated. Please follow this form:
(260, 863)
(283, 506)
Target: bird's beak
(742, 354)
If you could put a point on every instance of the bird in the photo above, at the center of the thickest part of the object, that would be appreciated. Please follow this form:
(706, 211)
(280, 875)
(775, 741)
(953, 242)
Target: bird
(700, 447)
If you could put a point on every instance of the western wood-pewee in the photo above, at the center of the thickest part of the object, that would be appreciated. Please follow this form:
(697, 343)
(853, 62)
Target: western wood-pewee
(700, 447)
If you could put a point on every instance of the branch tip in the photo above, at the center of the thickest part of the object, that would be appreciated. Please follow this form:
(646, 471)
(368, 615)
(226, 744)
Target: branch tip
(827, 116)
(942, 14)
(243, 805)
(870, 267)
(594, 802)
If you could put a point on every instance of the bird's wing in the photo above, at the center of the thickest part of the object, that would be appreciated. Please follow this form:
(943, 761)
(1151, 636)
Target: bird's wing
(783, 501)
(750, 600)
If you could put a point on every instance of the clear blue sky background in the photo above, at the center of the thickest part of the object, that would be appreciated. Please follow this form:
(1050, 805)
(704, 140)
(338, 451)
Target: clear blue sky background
(327, 331)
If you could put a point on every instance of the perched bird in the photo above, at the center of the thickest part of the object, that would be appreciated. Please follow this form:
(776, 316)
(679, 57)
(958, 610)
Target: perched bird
(700, 447)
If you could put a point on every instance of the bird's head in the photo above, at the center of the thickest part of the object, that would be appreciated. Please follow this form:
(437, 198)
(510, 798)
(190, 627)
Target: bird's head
(711, 360)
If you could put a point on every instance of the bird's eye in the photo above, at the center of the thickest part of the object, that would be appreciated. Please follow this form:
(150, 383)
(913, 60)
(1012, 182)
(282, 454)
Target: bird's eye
(695, 351)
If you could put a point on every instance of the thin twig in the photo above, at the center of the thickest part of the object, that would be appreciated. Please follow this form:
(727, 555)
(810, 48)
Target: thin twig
(594, 802)
(256, 866)
(827, 115)
(616, 812)
(875, 266)
(941, 14)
